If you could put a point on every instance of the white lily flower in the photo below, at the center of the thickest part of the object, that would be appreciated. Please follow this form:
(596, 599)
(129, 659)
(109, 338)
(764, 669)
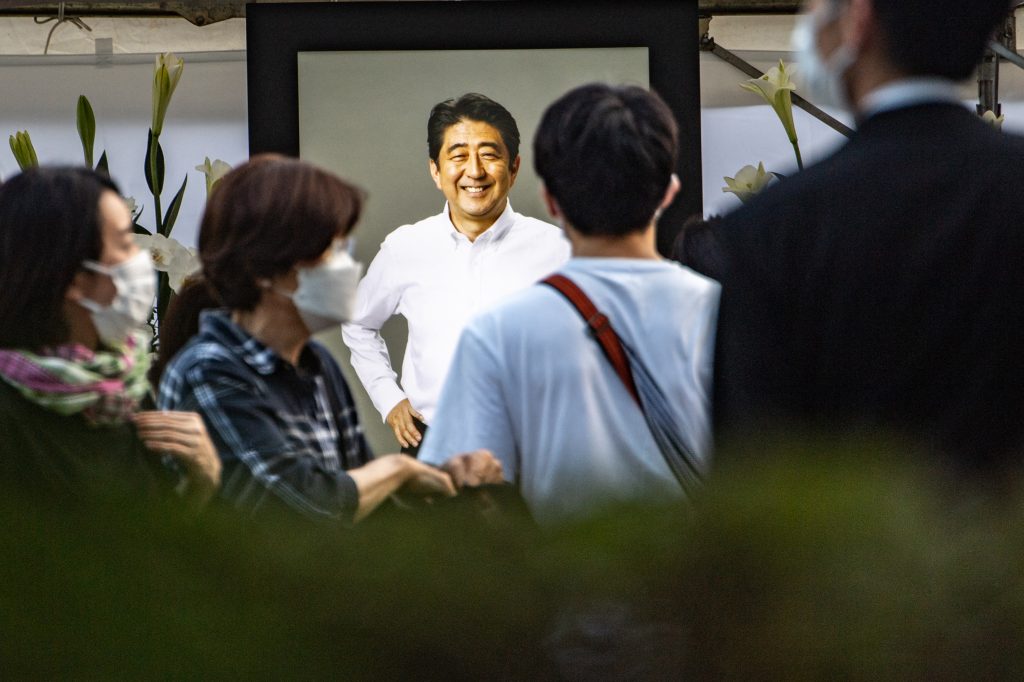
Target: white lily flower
(170, 256)
(776, 89)
(213, 171)
(748, 182)
(995, 121)
(166, 74)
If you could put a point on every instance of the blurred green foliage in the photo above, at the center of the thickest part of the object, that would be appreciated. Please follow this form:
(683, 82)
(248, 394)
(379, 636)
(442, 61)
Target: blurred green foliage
(823, 560)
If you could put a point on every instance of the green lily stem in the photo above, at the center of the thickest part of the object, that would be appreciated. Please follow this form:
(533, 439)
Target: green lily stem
(154, 145)
(163, 297)
(796, 150)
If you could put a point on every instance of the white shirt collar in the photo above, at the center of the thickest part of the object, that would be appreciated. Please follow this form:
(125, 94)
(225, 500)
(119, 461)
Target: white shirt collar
(495, 232)
(908, 92)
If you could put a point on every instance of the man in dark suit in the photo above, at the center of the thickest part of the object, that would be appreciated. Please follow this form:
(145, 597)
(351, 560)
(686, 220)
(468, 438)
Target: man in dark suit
(882, 290)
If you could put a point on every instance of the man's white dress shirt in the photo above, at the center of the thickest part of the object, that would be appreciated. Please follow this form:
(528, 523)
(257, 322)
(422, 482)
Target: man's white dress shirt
(431, 274)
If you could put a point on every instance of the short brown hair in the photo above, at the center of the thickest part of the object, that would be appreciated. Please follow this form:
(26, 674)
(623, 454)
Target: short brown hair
(262, 219)
(266, 216)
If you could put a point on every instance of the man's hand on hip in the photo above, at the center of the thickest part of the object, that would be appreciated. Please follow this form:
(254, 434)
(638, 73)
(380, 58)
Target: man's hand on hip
(400, 420)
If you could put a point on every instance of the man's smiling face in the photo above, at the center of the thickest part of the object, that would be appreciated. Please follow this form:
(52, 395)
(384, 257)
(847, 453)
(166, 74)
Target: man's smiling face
(474, 172)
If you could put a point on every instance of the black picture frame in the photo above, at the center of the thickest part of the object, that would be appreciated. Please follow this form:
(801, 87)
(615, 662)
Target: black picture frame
(277, 33)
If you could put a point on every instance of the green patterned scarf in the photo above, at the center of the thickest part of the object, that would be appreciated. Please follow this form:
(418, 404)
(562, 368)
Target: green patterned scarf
(104, 386)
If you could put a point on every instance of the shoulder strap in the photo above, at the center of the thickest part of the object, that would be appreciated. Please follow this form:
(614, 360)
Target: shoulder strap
(600, 327)
(686, 468)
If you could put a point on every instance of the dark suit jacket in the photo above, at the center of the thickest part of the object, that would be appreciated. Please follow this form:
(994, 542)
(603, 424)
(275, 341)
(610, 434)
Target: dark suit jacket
(884, 287)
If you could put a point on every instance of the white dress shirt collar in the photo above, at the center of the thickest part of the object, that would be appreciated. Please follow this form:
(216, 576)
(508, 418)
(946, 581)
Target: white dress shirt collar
(493, 233)
(909, 92)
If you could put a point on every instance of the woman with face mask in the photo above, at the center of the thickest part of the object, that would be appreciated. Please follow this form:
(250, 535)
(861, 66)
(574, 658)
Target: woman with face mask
(76, 294)
(276, 269)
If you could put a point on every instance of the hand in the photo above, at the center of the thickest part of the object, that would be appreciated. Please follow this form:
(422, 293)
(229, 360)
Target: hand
(390, 474)
(479, 467)
(183, 435)
(400, 421)
(423, 480)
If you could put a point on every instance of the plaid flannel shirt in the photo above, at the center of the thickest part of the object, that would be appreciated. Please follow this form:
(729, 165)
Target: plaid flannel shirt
(285, 433)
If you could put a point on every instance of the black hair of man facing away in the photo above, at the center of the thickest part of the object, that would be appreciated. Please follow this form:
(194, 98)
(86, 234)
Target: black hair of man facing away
(530, 384)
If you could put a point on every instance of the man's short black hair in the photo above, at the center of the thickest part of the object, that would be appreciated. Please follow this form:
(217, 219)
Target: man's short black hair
(49, 224)
(471, 107)
(944, 38)
(607, 155)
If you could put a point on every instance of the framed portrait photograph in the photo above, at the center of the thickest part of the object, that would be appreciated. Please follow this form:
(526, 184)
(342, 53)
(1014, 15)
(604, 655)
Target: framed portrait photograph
(350, 85)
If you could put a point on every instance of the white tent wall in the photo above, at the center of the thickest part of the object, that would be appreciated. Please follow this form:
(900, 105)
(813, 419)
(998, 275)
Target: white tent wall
(127, 35)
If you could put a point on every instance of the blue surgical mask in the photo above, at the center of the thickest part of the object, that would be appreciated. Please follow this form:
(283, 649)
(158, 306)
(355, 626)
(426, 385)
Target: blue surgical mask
(822, 79)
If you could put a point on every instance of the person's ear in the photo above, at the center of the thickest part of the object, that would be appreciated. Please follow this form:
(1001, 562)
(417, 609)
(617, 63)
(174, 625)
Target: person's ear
(859, 26)
(670, 193)
(554, 210)
(435, 172)
(76, 291)
(513, 171)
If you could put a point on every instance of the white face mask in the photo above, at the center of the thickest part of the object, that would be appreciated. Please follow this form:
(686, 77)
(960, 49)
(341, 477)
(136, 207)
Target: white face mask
(135, 283)
(326, 293)
(822, 80)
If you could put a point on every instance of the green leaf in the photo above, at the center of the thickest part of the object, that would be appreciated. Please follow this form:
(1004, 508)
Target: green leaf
(155, 184)
(86, 121)
(172, 210)
(139, 229)
(101, 165)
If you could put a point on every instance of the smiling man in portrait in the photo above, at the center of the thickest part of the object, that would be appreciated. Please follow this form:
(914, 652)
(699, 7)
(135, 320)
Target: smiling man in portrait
(442, 270)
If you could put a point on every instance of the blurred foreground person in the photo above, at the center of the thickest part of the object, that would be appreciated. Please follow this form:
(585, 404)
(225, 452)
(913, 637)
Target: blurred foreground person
(578, 424)
(273, 245)
(881, 289)
(76, 292)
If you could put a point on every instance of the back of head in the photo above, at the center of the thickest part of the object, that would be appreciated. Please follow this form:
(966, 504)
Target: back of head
(262, 219)
(49, 224)
(944, 38)
(607, 155)
(472, 107)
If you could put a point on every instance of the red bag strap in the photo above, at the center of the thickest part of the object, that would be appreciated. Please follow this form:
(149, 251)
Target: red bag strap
(600, 327)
